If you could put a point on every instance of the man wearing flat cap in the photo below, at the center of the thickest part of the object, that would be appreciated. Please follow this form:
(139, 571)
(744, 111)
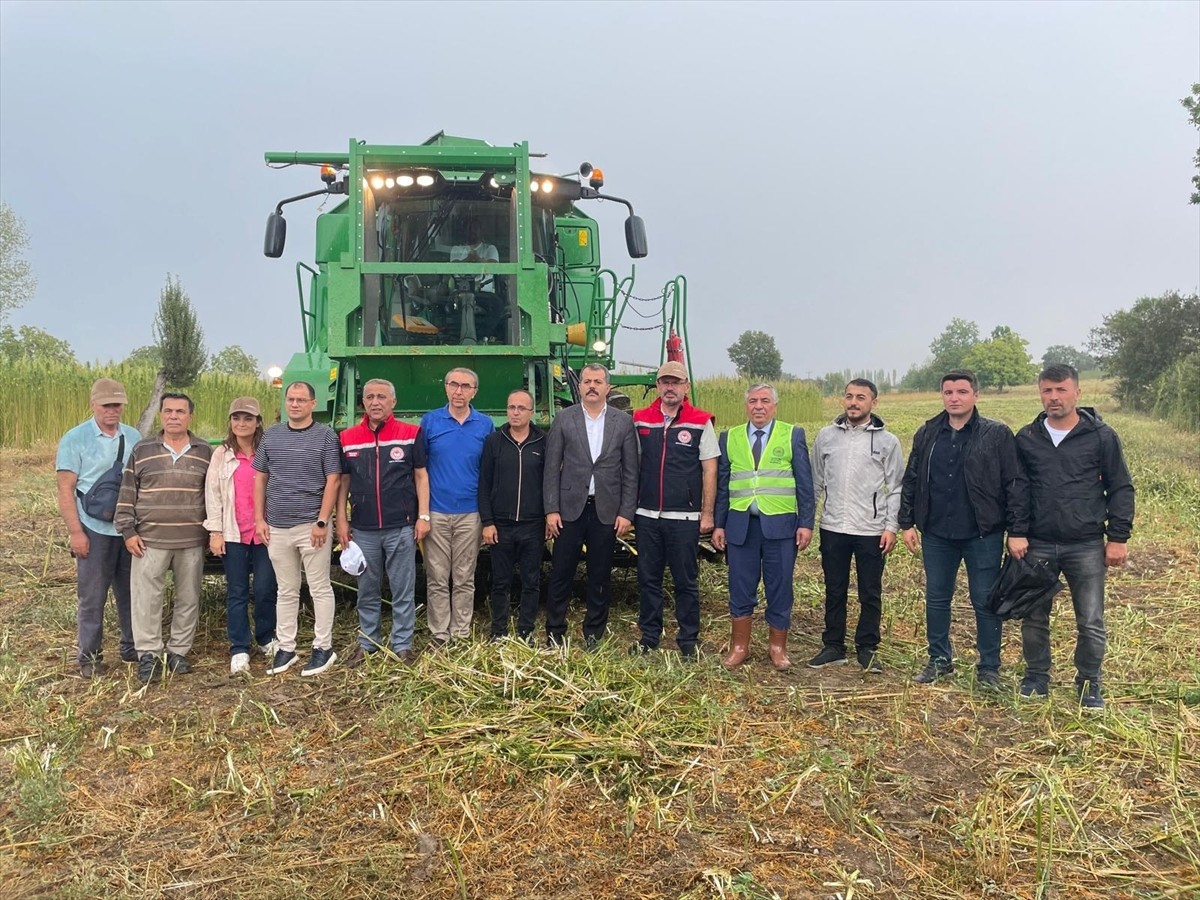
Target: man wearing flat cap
(677, 491)
(96, 449)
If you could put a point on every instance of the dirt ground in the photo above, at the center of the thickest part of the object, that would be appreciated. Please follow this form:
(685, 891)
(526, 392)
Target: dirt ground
(500, 771)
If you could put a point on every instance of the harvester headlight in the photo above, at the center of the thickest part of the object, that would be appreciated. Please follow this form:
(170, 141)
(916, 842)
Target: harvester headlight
(377, 181)
(391, 182)
(599, 346)
(275, 372)
(533, 186)
(405, 180)
(493, 182)
(547, 186)
(424, 180)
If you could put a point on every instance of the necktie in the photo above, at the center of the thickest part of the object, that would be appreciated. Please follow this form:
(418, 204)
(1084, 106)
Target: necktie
(757, 449)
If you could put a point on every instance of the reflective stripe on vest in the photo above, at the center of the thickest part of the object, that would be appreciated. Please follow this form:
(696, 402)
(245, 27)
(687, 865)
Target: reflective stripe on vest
(773, 488)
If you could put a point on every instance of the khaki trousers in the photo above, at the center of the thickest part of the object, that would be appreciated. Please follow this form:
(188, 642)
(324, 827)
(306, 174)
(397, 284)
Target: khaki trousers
(293, 554)
(147, 586)
(451, 551)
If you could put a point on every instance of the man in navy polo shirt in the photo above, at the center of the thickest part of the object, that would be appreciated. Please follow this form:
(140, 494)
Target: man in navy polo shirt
(453, 437)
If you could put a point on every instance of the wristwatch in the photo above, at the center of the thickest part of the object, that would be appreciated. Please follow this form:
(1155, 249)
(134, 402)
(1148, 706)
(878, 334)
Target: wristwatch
(425, 518)
(322, 523)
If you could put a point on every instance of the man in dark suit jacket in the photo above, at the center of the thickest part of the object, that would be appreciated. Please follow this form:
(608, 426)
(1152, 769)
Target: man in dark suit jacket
(590, 493)
(764, 516)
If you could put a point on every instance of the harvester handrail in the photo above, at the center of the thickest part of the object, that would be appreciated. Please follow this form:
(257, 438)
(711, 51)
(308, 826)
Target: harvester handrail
(308, 317)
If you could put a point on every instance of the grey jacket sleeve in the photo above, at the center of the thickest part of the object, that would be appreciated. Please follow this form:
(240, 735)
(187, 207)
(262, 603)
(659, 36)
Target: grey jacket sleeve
(893, 477)
(553, 466)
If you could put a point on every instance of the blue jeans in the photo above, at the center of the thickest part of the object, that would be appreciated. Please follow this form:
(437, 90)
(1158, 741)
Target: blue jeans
(942, 558)
(391, 550)
(1083, 564)
(240, 561)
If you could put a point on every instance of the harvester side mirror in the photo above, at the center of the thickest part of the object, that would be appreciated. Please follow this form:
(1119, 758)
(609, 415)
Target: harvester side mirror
(635, 236)
(277, 235)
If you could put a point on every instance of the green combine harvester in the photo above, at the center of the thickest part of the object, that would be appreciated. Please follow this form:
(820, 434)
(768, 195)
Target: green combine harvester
(455, 253)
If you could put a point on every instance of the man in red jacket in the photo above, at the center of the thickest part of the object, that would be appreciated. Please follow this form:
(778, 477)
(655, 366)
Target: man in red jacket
(385, 482)
(677, 491)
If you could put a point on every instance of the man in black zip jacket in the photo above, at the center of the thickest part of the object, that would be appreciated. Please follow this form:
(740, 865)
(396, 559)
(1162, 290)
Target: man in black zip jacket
(512, 514)
(1081, 515)
(963, 488)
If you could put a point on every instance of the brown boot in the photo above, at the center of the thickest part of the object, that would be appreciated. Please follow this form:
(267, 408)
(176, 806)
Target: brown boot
(739, 642)
(778, 649)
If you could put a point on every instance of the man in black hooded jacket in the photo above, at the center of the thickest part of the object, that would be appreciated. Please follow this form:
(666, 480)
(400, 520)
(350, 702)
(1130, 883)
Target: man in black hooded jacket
(1081, 503)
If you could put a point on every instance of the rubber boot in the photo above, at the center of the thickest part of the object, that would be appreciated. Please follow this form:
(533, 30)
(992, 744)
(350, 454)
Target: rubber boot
(778, 649)
(739, 642)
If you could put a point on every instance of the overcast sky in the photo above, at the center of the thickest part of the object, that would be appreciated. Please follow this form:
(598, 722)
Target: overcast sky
(847, 177)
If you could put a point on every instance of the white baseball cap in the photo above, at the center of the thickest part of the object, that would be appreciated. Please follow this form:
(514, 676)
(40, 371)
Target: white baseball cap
(352, 560)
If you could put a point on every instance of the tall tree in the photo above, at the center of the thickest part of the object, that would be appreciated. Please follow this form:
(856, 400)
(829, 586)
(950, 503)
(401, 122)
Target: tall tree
(951, 347)
(180, 339)
(1137, 345)
(28, 343)
(17, 281)
(233, 360)
(1192, 105)
(756, 356)
(1066, 353)
(1002, 361)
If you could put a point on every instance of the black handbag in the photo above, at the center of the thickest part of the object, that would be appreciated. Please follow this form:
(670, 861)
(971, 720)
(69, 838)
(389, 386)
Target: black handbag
(1022, 587)
(100, 501)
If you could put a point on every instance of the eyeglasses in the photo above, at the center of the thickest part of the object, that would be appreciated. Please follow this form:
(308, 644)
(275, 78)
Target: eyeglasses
(512, 407)
(459, 386)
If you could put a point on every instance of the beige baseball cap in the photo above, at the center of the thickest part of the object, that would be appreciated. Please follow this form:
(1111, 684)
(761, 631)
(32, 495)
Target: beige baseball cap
(673, 369)
(105, 391)
(245, 405)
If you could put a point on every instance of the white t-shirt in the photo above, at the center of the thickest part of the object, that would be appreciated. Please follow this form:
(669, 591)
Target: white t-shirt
(1056, 434)
(483, 253)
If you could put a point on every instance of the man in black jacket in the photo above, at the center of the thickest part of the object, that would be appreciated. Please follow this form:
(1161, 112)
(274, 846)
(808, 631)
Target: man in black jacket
(1081, 515)
(511, 512)
(963, 488)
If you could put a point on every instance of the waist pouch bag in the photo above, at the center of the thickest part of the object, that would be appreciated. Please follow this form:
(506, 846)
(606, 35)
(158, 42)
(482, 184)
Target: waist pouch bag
(100, 501)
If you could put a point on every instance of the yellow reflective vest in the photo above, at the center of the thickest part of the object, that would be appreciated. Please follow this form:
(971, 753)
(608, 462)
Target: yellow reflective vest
(772, 486)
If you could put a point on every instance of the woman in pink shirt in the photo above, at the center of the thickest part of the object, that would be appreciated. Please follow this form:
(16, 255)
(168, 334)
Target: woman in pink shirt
(229, 496)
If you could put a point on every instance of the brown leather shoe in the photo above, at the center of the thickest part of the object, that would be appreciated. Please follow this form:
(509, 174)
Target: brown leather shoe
(408, 657)
(778, 649)
(739, 642)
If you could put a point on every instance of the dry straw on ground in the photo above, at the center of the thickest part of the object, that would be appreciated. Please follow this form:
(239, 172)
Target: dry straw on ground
(502, 771)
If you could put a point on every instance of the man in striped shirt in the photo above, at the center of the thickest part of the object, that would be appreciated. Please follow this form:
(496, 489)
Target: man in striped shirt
(297, 470)
(160, 515)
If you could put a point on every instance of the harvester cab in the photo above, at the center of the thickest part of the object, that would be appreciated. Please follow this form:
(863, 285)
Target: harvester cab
(455, 253)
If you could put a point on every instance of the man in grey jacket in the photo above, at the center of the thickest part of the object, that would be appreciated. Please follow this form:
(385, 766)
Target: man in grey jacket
(589, 493)
(858, 467)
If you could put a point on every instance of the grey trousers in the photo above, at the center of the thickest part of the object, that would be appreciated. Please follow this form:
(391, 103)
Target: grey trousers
(106, 566)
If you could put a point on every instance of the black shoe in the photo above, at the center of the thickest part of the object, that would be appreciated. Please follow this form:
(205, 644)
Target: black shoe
(129, 655)
(934, 671)
(690, 653)
(1090, 698)
(829, 656)
(591, 642)
(92, 668)
(320, 660)
(989, 680)
(640, 649)
(179, 665)
(150, 668)
(869, 661)
(284, 659)
(1034, 687)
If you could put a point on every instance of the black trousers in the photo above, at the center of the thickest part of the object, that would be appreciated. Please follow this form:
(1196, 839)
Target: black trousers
(836, 552)
(522, 544)
(601, 541)
(673, 543)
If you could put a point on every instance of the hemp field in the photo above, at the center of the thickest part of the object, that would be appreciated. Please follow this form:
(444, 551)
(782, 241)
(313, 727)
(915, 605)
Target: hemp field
(499, 771)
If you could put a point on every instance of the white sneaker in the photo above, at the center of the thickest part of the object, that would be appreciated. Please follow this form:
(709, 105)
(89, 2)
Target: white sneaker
(268, 649)
(239, 662)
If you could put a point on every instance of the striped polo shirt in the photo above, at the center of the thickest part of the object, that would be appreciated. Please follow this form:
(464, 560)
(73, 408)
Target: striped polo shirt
(162, 495)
